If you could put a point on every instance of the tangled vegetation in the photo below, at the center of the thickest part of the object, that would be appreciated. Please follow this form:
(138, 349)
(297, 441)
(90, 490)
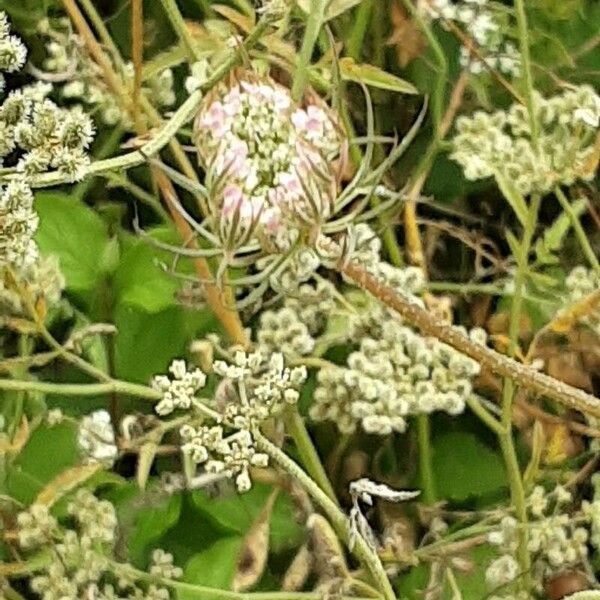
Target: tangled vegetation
(299, 300)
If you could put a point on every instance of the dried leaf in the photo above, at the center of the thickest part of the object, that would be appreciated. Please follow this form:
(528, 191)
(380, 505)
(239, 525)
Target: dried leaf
(374, 76)
(146, 456)
(240, 20)
(255, 549)
(65, 482)
(298, 571)
(328, 555)
(406, 35)
(568, 318)
(19, 439)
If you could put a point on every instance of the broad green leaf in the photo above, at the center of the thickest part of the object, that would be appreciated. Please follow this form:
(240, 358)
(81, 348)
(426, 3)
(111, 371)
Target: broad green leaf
(147, 342)
(334, 8)
(464, 467)
(214, 567)
(139, 280)
(235, 514)
(76, 234)
(514, 198)
(374, 76)
(144, 516)
(48, 452)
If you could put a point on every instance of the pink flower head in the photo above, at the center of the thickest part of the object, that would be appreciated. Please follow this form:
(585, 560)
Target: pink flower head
(215, 120)
(234, 200)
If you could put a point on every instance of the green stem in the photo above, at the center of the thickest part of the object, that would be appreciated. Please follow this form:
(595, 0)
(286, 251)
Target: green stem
(314, 21)
(440, 56)
(485, 416)
(362, 18)
(526, 60)
(582, 238)
(507, 446)
(82, 389)
(181, 29)
(427, 479)
(296, 427)
(361, 549)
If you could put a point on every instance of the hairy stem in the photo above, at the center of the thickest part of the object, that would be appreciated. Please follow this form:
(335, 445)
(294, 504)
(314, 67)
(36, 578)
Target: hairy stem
(427, 479)
(429, 324)
(181, 29)
(363, 552)
(295, 426)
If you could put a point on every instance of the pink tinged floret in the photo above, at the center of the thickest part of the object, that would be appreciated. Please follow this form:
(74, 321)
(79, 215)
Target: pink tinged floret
(234, 200)
(271, 220)
(215, 120)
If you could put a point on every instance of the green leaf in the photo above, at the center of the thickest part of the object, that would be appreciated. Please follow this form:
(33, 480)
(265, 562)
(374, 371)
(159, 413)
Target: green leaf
(139, 280)
(464, 467)
(235, 514)
(48, 452)
(214, 567)
(553, 237)
(514, 198)
(145, 516)
(374, 76)
(147, 342)
(334, 8)
(76, 234)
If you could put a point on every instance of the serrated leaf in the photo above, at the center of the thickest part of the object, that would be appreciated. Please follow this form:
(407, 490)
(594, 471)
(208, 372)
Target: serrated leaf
(334, 8)
(371, 75)
(464, 467)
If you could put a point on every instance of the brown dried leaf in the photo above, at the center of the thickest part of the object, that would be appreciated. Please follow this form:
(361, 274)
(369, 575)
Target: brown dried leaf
(255, 549)
(297, 574)
(328, 555)
(566, 319)
(65, 482)
(406, 35)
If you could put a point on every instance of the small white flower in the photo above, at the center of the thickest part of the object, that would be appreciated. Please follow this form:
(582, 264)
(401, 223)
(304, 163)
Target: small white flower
(96, 438)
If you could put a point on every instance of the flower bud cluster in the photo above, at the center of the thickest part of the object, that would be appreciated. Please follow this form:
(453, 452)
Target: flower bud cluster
(96, 438)
(68, 57)
(486, 25)
(500, 144)
(179, 390)
(219, 435)
(80, 563)
(294, 328)
(43, 281)
(556, 538)
(36, 135)
(268, 160)
(394, 372)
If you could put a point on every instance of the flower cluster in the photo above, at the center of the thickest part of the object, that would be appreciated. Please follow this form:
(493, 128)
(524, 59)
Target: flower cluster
(80, 563)
(43, 281)
(556, 539)
(486, 25)
(35, 135)
(393, 371)
(268, 160)
(68, 58)
(295, 328)
(500, 144)
(219, 434)
(180, 390)
(96, 438)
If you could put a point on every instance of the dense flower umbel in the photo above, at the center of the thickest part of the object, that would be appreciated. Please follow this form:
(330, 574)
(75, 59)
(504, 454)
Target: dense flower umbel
(499, 144)
(267, 159)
